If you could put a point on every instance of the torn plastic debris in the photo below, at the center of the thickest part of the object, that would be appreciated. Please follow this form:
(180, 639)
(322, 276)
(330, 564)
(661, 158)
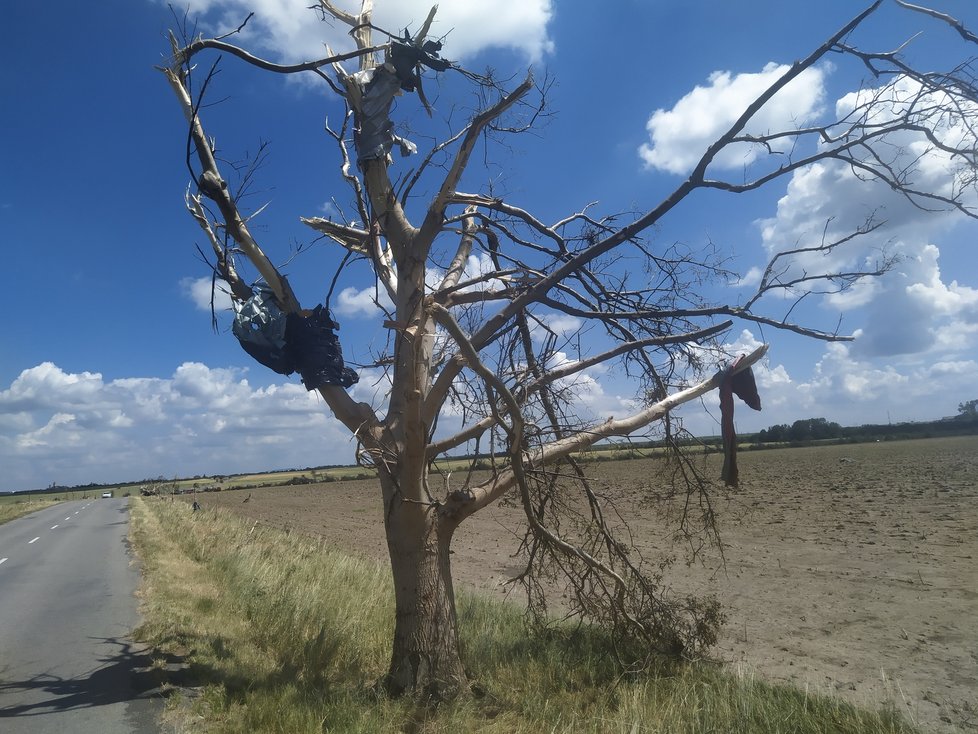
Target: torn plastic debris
(259, 324)
(380, 85)
(306, 344)
(376, 134)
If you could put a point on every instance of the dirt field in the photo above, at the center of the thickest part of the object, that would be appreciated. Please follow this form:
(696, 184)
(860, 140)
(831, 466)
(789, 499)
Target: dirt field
(849, 569)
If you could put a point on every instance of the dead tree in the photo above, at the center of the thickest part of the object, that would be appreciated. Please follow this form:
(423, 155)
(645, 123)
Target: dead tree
(480, 341)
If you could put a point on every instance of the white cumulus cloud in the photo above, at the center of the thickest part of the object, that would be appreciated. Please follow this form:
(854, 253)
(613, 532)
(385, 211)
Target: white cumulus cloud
(200, 291)
(841, 385)
(563, 326)
(356, 302)
(288, 29)
(679, 136)
(76, 428)
(908, 310)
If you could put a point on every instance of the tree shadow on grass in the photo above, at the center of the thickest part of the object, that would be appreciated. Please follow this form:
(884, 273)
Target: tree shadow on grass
(199, 658)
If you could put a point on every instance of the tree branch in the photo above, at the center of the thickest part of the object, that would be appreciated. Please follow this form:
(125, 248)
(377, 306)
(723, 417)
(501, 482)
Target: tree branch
(487, 493)
(552, 375)
(185, 54)
(436, 211)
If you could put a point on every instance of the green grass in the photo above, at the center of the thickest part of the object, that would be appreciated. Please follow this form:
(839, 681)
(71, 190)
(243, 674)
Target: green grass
(11, 510)
(279, 634)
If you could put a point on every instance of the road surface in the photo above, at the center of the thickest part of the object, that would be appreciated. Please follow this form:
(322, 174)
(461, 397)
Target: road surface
(67, 606)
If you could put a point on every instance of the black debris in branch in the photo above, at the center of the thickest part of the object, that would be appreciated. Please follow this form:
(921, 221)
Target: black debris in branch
(316, 352)
(375, 135)
(303, 343)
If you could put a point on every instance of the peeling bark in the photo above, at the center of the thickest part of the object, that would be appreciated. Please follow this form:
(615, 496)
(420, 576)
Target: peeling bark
(425, 656)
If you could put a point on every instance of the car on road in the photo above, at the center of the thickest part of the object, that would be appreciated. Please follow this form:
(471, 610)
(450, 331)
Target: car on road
(106, 495)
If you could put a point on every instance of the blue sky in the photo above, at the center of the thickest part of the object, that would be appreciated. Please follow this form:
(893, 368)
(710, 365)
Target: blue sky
(110, 370)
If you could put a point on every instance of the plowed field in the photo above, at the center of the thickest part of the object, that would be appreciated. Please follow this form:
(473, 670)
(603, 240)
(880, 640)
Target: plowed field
(849, 569)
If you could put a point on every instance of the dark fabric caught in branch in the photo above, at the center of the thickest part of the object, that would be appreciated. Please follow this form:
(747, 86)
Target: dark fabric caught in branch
(407, 55)
(743, 385)
(375, 133)
(306, 344)
(316, 352)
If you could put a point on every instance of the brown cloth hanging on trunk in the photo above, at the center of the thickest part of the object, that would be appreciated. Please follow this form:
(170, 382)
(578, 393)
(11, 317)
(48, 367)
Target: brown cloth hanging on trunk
(742, 385)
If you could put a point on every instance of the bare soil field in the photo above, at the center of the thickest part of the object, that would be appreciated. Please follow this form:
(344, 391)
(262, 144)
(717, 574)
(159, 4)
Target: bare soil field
(850, 570)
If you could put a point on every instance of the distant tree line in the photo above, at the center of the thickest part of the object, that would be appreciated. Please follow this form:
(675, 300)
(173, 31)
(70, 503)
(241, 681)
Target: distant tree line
(801, 432)
(809, 429)
(820, 429)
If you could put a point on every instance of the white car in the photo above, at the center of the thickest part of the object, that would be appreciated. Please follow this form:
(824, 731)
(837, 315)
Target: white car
(106, 495)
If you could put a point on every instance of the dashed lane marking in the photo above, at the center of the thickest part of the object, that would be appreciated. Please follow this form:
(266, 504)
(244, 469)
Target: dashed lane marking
(3, 560)
(34, 541)
(54, 527)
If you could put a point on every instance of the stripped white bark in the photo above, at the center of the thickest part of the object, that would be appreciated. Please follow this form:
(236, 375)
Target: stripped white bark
(236, 227)
(487, 493)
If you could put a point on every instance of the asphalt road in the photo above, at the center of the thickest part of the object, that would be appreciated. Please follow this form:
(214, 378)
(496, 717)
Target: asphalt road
(67, 606)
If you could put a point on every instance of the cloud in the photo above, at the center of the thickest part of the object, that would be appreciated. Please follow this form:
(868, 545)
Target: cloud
(42, 436)
(75, 428)
(859, 390)
(47, 386)
(825, 203)
(334, 213)
(199, 291)
(477, 265)
(287, 29)
(354, 302)
(841, 385)
(520, 25)
(680, 136)
(749, 279)
(899, 313)
(946, 299)
(924, 162)
(562, 325)
(910, 309)
(595, 402)
(829, 199)
(914, 311)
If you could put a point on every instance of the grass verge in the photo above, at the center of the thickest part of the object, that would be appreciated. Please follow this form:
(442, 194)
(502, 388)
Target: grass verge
(12, 510)
(276, 633)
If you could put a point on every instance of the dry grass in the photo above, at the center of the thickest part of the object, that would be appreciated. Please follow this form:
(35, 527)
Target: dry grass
(848, 568)
(11, 510)
(276, 633)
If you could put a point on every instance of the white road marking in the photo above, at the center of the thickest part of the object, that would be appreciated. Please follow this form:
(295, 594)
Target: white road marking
(34, 541)
(67, 519)
(3, 560)
(54, 527)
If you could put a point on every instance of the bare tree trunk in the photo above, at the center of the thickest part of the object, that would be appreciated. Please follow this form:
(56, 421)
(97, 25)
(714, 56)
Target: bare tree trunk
(425, 659)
